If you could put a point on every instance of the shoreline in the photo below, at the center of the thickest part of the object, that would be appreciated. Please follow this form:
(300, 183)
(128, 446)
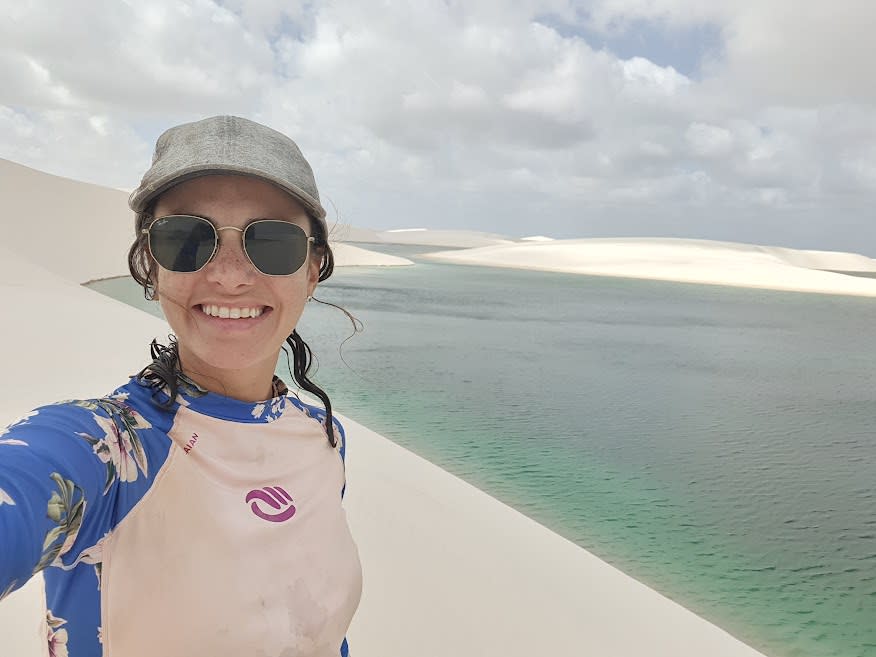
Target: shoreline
(661, 279)
(698, 262)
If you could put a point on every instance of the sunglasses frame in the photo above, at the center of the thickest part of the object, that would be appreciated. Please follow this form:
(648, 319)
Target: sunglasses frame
(216, 231)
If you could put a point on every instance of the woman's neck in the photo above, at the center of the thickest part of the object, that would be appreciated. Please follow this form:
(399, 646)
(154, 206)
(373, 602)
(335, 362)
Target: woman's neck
(252, 384)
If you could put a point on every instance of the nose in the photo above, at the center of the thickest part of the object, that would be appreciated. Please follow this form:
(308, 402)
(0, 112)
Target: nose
(230, 267)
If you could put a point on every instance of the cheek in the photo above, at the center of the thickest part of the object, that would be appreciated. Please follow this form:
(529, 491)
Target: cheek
(292, 299)
(172, 290)
(162, 285)
(294, 290)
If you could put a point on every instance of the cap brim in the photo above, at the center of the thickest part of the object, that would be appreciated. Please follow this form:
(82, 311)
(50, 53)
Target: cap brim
(142, 196)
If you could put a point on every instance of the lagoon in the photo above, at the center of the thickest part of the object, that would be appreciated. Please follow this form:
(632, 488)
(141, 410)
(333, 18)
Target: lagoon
(715, 443)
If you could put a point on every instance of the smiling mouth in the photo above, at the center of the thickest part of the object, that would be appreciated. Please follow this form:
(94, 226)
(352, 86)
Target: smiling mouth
(231, 312)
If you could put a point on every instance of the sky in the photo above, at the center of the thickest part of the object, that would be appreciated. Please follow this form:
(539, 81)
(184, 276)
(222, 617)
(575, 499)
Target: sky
(740, 120)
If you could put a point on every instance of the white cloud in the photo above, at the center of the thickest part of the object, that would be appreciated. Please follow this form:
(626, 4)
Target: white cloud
(74, 144)
(471, 114)
(781, 51)
(142, 58)
(644, 77)
(709, 141)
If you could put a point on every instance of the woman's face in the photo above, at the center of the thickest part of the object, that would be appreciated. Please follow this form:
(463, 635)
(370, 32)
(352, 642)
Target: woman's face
(234, 352)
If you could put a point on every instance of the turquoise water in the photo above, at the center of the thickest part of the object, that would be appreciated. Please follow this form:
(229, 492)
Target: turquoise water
(715, 443)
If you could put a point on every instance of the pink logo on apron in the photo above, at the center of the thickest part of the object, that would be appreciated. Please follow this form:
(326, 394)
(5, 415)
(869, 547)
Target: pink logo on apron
(276, 498)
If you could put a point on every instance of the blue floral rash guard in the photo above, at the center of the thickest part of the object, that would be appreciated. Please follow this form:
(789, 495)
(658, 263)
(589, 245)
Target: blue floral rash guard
(212, 528)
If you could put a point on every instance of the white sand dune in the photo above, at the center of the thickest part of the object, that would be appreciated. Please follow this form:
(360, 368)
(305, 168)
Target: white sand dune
(354, 256)
(462, 239)
(537, 238)
(89, 219)
(459, 239)
(690, 261)
(348, 233)
(448, 569)
(84, 219)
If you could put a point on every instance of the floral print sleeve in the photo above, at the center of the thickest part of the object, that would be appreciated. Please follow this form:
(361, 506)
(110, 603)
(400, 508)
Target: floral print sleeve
(57, 469)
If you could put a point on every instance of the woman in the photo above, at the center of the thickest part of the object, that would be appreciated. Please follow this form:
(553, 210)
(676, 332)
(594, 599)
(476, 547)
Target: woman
(196, 510)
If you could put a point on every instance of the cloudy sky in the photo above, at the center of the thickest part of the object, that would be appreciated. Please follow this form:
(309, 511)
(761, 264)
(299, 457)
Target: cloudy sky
(744, 120)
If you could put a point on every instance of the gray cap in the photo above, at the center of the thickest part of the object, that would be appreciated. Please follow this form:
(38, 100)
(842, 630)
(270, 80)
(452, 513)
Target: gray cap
(228, 144)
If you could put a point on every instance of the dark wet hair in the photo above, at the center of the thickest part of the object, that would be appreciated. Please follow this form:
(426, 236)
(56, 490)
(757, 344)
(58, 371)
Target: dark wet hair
(164, 368)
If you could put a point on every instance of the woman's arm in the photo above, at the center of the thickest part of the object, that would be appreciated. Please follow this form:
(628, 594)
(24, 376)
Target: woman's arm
(52, 490)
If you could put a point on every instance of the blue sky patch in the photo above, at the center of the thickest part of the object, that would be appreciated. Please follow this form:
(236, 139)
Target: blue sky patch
(684, 49)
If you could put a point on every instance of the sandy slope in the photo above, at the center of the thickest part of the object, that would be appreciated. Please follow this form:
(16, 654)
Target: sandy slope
(352, 256)
(459, 239)
(347, 233)
(691, 261)
(462, 239)
(88, 219)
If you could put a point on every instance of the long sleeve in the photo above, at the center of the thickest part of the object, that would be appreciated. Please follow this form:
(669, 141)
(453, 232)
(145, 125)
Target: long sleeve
(57, 467)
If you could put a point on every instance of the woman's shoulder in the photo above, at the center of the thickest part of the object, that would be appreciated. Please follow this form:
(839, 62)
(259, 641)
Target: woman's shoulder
(81, 418)
(67, 416)
(318, 414)
(97, 444)
(313, 411)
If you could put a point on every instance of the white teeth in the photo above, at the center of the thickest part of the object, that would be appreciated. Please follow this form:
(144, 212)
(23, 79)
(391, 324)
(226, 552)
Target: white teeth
(226, 312)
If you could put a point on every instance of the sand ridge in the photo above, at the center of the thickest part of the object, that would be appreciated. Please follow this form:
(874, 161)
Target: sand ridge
(90, 219)
(682, 260)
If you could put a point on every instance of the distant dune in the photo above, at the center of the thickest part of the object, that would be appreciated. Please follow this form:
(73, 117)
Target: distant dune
(353, 256)
(94, 220)
(536, 238)
(88, 219)
(689, 261)
(461, 239)
(347, 233)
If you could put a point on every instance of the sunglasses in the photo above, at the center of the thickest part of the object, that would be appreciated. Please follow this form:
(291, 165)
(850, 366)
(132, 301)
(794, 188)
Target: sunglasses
(185, 243)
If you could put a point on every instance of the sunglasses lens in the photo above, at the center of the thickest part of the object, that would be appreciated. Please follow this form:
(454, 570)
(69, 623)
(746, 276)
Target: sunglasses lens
(182, 243)
(277, 248)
